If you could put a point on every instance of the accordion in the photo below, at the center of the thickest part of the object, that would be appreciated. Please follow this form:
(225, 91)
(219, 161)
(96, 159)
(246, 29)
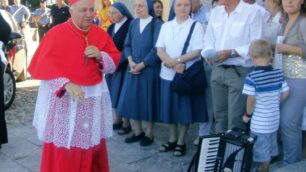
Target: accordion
(225, 152)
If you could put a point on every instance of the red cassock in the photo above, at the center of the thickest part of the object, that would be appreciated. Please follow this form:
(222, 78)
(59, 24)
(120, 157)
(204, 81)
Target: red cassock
(56, 159)
(73, 133)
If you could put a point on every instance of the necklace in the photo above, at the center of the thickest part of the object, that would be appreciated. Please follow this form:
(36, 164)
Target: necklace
(82, 36)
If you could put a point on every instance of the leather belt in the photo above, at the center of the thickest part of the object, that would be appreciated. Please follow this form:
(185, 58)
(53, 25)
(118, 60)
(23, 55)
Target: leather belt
(228, 66)
(231, 67)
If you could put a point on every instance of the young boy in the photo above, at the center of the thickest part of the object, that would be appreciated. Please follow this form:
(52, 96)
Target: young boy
(265, 88)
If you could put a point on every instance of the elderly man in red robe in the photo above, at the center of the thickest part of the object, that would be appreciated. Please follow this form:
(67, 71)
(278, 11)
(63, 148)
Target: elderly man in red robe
(73, 114)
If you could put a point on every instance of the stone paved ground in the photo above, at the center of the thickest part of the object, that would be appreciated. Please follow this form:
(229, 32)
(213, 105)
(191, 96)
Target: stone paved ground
(23, 152)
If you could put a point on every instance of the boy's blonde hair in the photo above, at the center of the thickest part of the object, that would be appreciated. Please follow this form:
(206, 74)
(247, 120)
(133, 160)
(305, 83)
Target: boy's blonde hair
(260, 48)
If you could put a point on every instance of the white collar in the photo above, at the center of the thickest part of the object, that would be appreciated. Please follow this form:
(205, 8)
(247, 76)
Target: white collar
(148, 19)
(119, 24)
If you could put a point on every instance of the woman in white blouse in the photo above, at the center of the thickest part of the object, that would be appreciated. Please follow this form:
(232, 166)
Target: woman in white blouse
(176, 109)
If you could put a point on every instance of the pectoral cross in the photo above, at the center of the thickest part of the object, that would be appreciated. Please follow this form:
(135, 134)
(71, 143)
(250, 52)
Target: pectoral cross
(86, 57)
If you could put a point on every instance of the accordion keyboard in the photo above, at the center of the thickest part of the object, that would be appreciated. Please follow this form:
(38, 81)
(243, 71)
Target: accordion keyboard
(208, 154)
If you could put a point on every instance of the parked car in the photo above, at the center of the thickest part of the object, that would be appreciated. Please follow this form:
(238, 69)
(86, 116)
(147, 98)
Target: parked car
(13, 60)
(9, 81)
(18, 54)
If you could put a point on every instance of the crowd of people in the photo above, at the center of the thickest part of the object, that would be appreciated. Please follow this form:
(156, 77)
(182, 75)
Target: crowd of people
(254, 60)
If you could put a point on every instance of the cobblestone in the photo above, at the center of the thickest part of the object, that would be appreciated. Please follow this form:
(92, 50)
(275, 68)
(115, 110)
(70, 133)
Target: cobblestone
(23, 152)
(21, 111)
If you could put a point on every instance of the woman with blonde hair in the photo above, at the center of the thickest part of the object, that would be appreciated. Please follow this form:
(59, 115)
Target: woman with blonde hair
(103, 13)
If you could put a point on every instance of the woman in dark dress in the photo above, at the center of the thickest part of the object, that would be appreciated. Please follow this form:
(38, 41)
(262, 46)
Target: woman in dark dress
(5, 31)
(121, 19)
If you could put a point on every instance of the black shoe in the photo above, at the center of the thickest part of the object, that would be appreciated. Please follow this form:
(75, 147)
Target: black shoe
(134, 138)
(124, 130)
(117, 126)
(275, 159)
(146, 141)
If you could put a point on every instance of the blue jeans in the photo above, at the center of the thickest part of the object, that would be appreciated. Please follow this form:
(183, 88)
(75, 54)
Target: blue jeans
(291, 119)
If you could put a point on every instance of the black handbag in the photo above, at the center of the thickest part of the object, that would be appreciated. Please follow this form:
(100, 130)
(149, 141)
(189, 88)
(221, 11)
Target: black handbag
(193, 79)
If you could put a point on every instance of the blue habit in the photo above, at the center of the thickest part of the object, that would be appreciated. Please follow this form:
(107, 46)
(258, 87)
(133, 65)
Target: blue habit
(139, 99)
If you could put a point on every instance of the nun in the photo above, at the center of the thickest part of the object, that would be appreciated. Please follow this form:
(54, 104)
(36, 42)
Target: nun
(139, 99)
(179, 110)
(121, 19)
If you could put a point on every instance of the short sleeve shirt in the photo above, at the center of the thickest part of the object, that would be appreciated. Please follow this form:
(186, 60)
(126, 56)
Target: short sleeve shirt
(173, 36)
(45, 13)
(267, 85)
(19, 12)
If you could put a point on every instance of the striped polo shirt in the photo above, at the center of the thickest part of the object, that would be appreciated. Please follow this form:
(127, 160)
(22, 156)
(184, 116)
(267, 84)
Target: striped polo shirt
(267, 85)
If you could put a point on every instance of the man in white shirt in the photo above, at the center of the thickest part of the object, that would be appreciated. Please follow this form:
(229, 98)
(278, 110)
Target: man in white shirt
(233, 26)
(262, 10)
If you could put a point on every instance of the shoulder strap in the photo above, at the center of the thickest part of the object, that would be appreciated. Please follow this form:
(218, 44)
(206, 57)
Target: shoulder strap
(188, 37)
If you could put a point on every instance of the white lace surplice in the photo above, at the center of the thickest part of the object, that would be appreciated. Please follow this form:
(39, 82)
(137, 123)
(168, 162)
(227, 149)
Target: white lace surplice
(66, 122)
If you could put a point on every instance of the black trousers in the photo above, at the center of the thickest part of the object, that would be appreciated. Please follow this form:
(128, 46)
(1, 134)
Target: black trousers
(42, 30)
(3, 129)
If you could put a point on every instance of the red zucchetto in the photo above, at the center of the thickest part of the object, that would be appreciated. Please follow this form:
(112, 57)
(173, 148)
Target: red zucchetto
(71, 2)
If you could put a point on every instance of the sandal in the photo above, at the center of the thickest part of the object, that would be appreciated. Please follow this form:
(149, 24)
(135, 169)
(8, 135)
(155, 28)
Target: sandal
(179, 150)
(124, 130)
(166, 147)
